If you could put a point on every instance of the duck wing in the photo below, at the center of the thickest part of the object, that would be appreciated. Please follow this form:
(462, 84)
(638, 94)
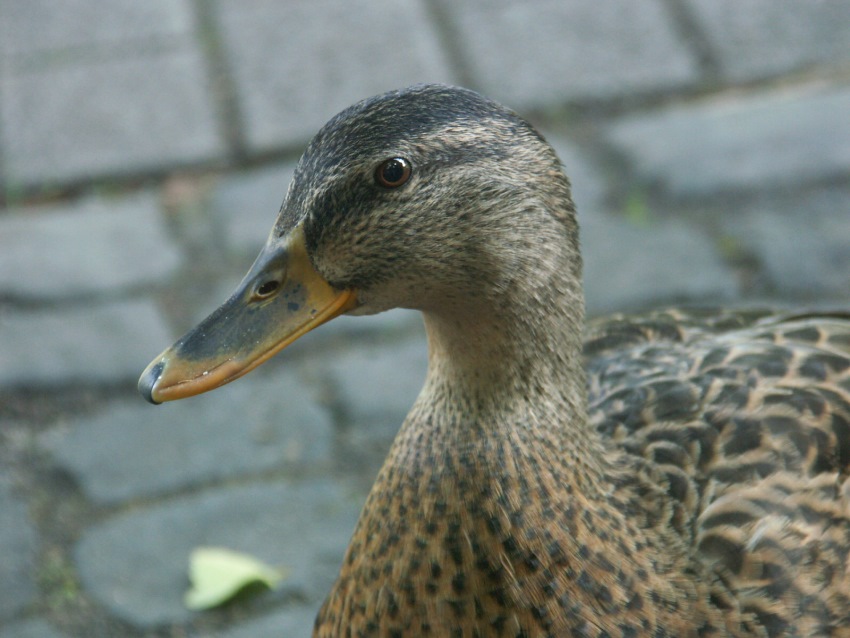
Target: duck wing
(744, 420)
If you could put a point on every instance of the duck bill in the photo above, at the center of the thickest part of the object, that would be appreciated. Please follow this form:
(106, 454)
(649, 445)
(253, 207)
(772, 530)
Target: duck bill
(281, 298)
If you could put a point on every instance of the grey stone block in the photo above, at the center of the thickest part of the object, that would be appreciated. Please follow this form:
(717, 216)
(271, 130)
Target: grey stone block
(18, 543)
(379, 384)
(246, 205)
(384, 323)
(290, 622)
(101, 343)
(135, 564)
(365, 332)
(779, 138)
(116, 116)
(246, 428)
(800, 241)
(298, 63)
(94, 246)
(375, 388)
(35, 628)
(548, 51)
(628, 267)
(36, 26)
(589, 188)
(757, 38)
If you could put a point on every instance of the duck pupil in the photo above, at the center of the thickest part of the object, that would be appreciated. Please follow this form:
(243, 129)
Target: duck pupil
(393, 172)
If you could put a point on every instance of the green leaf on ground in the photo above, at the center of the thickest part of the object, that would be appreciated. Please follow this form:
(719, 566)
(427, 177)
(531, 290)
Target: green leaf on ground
(218, 574)
(636, 210)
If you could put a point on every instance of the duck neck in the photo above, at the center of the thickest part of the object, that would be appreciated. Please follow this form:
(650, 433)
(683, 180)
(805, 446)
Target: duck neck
(496, 506)
(511, 372)
(506, 356)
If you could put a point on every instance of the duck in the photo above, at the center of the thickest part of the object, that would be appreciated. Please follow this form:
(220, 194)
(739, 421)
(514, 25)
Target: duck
(682, 472)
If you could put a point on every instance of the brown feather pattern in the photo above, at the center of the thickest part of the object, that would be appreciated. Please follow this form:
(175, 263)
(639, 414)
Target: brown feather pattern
(747, 416)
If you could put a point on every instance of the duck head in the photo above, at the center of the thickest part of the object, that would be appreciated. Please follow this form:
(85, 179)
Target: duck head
(433, 198)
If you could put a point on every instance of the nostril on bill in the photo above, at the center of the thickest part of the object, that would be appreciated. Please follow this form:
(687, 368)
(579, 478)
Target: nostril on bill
(267, 289)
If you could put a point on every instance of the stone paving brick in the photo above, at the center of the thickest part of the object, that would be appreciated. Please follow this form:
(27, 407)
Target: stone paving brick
(379, 383)
(17, 540)
(246, 205)
(801, 241)
(757, 38)
(244, 429)
(35, 26)
(291, 622)
(375, 388)
(344, 333)
(776, 139)
(135, 564)
(116, 116)
(356, 327)
(35, 628)
(100, 343)
(628, 267)
(588, 186)
(298, 63)
(548, 51)
(97, 245)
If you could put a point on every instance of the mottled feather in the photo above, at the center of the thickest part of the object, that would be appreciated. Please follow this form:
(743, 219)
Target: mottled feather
(746, 418)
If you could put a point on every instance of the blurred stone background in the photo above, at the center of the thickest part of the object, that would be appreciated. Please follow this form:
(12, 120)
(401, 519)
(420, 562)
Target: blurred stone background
(144, 151)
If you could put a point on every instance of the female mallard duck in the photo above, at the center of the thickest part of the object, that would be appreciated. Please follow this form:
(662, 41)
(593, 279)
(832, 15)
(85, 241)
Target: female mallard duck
(673, 475)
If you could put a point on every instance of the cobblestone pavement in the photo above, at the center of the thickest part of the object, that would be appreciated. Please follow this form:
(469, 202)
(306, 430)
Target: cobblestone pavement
(144, 151)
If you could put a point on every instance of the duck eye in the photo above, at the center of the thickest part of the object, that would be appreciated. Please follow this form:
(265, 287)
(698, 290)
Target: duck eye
(393, 172)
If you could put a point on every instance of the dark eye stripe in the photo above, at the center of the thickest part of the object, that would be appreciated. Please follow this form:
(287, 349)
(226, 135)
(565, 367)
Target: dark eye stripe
(393, 172)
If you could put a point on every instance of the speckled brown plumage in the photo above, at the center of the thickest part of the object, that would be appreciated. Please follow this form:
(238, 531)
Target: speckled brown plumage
(747, 418)
(675, 474)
